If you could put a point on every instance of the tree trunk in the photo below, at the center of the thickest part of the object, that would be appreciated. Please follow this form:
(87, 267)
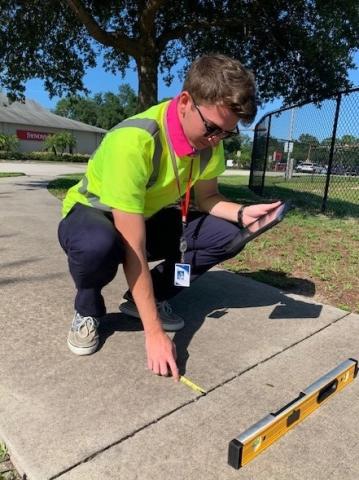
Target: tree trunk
(147, 81)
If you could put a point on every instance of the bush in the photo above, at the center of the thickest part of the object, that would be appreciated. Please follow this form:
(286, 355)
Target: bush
(59, 142)
(6, 155)
(51, 157)
(9, 143)
(44, 156)
(74, 157)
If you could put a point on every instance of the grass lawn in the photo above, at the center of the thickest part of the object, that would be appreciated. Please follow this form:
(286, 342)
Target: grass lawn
(7, 470)
(11, 174)
(308, 253)
(308, 192)
(59, 186)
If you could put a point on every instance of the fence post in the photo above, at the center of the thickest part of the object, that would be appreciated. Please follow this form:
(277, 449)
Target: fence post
(253, 156)
(331, 153)
(266, 154)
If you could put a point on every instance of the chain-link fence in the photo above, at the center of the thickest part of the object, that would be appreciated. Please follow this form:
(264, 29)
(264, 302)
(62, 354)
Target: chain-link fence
(310, 153)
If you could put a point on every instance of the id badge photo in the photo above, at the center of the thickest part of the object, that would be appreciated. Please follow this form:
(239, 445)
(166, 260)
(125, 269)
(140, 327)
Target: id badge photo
(182, 275)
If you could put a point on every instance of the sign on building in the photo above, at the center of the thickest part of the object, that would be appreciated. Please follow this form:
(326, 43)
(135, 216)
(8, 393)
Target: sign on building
(31, 135)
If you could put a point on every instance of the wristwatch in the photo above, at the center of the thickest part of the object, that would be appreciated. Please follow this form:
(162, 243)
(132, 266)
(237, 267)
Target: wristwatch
(240, 216)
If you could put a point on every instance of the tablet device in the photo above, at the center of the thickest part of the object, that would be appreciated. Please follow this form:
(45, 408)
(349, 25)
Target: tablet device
(261, 225)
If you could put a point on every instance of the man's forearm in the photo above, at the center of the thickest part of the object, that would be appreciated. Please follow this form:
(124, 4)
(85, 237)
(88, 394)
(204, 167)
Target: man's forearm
(140, 283)
(218, 206)
(132, 229)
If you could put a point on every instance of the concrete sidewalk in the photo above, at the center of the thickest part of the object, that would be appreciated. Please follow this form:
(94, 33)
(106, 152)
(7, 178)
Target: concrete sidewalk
(60, 168)
(105, 417)
(32, 168)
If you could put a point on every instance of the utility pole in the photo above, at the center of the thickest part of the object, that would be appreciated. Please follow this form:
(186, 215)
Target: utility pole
(289, 168)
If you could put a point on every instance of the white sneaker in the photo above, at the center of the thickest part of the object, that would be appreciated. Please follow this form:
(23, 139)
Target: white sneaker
(171, 322)
(83, 336)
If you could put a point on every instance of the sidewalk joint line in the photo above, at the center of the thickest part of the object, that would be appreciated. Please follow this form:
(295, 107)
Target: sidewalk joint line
(126, 437)
(193, 400)
(265, 360)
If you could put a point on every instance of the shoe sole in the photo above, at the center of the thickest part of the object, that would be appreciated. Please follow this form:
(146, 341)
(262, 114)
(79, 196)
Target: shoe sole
(168, 327)
(82, 350)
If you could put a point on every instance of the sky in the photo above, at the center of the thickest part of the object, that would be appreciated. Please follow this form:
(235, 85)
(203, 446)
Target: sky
(97, 80)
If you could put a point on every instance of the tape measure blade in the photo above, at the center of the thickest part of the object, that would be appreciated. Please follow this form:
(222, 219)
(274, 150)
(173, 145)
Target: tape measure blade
(192, 385)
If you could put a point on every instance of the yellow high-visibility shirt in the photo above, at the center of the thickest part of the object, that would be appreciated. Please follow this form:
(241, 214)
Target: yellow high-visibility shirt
(132, 168)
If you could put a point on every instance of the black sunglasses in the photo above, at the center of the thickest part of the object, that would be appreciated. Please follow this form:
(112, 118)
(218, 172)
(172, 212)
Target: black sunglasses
(213, 130)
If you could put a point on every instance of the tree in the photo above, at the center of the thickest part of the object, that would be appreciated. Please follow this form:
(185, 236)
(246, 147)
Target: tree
(326, 141)
(231, 146)
(50, 144)
(239, 149)
(66, 140)
(115, 108)
(103, 110)
(349, 140)
(304, 148)
(347, 148)
(83, 109)
(127, 99)
(9, 143)
(308, 139)
(59, 142)
(298, 49)
(245, 158)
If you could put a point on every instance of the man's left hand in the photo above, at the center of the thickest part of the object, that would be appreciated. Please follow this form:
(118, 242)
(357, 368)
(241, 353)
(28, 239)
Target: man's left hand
(253, 212)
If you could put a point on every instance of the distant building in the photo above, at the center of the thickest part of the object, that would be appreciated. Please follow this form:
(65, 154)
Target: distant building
(32, 123)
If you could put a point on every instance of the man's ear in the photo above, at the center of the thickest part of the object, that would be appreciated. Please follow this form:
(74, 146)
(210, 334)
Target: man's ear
(184, 100)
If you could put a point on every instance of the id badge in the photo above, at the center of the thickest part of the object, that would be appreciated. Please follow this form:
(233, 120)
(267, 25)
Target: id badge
(182, 275)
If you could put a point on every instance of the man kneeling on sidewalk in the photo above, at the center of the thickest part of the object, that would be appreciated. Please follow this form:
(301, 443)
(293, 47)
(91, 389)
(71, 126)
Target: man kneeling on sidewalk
(120, 212)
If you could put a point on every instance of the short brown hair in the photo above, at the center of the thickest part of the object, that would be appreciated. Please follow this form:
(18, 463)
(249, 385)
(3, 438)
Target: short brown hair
(220, 80)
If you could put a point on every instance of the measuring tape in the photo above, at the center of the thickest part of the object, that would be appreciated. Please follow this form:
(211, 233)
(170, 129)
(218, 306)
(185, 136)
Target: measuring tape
(261, 435)
(192, 385)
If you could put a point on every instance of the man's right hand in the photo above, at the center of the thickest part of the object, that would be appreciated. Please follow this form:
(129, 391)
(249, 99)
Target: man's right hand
(161, 354)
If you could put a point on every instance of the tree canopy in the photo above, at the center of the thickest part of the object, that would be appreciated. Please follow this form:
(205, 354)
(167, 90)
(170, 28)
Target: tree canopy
(102, 110)
(298, 49)
(308, 139)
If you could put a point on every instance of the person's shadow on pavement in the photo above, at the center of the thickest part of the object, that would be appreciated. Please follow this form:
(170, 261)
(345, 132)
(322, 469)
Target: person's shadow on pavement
(217, 291)
(210, 298)
(117, 322)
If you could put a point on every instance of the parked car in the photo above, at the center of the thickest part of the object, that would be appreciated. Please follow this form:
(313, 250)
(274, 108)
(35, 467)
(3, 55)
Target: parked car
(338, 170)
(352, 171)
(323, 169)
(305, 167)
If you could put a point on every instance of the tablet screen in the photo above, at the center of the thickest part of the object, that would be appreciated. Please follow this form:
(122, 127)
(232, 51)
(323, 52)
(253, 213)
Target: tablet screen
(271, 218)
(259, 226)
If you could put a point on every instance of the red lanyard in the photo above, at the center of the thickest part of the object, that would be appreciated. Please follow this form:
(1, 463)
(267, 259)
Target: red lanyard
(186, 199)
(184, 202)
(184, 206)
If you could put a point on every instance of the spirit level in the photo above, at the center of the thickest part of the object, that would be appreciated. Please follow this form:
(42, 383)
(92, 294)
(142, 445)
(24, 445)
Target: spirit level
(261, 435)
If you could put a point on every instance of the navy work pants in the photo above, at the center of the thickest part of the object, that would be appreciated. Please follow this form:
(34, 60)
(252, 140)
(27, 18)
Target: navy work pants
(95, 249)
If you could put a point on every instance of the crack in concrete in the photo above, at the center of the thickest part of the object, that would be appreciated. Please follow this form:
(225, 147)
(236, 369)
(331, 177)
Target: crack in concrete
(190, 402)
(276, 354)
(123, 439)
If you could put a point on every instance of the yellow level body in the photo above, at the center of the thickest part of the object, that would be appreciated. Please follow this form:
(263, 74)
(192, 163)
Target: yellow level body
(261, 435)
